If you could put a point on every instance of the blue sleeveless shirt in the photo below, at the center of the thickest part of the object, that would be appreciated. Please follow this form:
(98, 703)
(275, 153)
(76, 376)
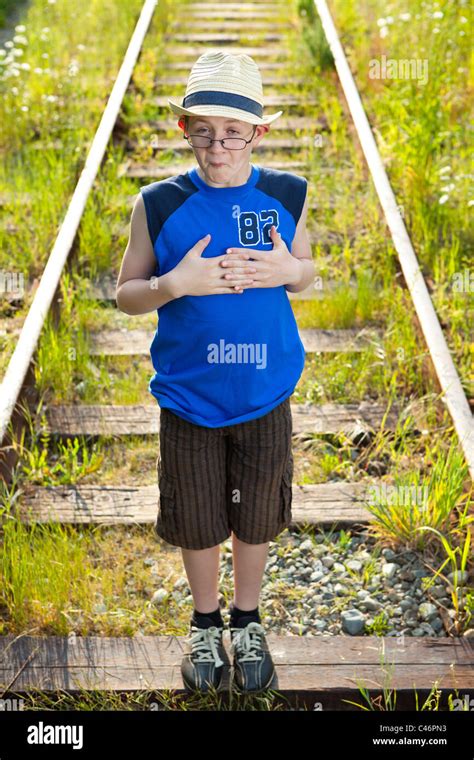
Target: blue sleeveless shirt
(225, 358)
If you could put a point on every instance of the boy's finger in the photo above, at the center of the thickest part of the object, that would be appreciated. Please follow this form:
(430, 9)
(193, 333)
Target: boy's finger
(239, 282)
(238, 265)
(237, 255)
(234, 279)
(238, 261)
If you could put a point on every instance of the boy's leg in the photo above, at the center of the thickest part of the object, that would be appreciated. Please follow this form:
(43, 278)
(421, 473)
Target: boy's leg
(202, 570)
(249, 562)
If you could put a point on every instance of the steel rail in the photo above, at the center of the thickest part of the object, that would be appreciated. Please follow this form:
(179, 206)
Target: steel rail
(446, 372)
(27, 341)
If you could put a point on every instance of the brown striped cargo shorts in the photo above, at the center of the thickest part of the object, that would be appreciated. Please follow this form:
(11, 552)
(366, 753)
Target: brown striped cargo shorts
(213, 481)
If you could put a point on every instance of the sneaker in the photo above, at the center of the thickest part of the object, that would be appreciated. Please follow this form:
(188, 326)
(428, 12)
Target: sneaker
(204, 664)
(253, 668)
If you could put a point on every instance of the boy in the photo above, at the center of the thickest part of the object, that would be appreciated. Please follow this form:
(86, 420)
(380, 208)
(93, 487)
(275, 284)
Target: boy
(227, 353)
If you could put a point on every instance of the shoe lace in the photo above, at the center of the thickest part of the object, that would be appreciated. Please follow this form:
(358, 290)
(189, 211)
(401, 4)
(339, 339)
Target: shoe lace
(247, 642)
(204, 643)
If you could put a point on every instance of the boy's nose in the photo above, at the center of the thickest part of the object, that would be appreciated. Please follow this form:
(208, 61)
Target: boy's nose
(217, 147)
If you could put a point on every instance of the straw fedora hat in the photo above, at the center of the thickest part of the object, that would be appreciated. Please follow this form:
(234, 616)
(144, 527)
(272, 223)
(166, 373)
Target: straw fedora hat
(224, 84)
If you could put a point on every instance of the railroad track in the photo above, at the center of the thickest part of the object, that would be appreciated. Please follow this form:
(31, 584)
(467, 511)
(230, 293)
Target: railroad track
(307, 667)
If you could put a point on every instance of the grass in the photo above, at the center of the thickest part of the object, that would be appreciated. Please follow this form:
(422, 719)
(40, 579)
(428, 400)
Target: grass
(426, 151)
(385, 699)
(6, 7)
(103, 595)
(270, 700)
(416, 502)
(422, 139)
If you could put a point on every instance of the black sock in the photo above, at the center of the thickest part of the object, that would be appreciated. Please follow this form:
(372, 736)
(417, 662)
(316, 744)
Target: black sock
(239, 618)
(206, 619)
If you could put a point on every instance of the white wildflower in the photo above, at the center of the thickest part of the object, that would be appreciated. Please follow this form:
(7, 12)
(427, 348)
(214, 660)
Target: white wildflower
(38, 70)
(448, 188)
(470, 203)
(15, 90)
(438, 14)
(44, 55)
(389, 20)
(384, 31)
(17, 52)
(9, 44)
(81, 46)
(405, 16)
(445, 170)
(435, 30)
(381, 22)
(20, 28)
(19, 39)
(25, 66)
(463, 20)
(45, 29)
(443, 199)
(25, 108)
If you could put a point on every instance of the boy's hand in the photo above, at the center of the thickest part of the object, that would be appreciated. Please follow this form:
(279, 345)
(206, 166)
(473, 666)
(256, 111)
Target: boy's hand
(272, 268)
(198, 276)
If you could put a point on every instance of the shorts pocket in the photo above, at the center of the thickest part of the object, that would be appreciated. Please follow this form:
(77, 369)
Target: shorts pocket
(167, 497)
(286, 493)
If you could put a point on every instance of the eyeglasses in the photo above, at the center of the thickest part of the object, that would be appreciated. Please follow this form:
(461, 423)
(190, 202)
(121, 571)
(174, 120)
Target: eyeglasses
(229, 143)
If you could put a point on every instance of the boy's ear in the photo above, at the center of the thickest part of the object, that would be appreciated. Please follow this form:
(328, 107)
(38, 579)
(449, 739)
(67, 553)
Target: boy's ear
(181, 123)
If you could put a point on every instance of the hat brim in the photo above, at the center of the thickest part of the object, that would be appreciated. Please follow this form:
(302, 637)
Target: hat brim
(222, 111)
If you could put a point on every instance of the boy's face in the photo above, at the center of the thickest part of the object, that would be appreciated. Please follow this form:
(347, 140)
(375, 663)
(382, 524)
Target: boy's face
(223, 165)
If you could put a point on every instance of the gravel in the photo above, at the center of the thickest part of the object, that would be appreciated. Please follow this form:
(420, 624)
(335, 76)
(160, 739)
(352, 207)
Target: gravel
(317, 587)
(320, 587)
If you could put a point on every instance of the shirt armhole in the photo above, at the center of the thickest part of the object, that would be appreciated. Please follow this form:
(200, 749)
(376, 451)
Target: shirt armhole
(303, 194)
(151, 222)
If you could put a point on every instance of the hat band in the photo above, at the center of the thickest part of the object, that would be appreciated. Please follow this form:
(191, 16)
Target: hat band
(218, 98)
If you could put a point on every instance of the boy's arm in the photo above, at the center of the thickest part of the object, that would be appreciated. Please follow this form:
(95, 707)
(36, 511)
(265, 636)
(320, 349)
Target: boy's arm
(301, 250)
(137, 291)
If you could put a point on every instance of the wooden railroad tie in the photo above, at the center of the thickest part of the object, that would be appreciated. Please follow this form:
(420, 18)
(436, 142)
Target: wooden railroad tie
(144, 419)
(327, 669)
(104, 288)
(323, 505)
(131, 342)
(190, 52)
